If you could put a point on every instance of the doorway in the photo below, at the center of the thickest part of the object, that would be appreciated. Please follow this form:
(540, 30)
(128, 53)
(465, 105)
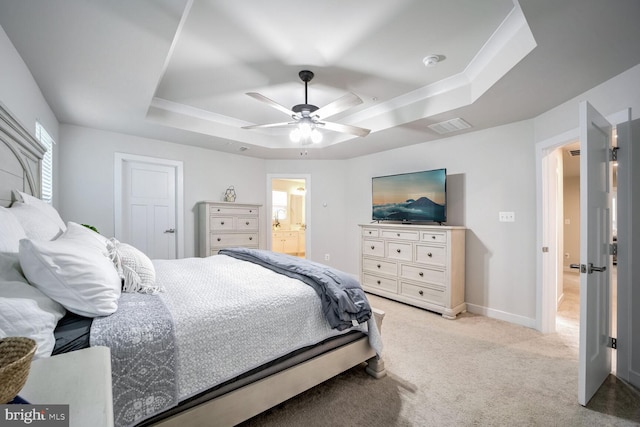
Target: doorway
(289, 207)
(148, 201)
(561, 225)
(568, 287)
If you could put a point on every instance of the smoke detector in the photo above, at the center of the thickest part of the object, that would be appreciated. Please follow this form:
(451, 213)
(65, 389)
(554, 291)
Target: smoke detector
(432, 60)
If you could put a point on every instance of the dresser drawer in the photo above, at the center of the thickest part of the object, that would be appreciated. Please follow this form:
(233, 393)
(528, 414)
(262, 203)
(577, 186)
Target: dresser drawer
(384, 283)
(430, 294)
(434, 255)
(236, 239)
(400, 251)
(379, 266)
(370, 232)
(373, 247)
(434, 236)
(248, 223)
(422, 274)
(221, 223)
(233, 210)
(401, 235)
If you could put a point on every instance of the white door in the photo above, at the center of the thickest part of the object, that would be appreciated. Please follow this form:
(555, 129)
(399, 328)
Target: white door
(595, 268)
(149, 208)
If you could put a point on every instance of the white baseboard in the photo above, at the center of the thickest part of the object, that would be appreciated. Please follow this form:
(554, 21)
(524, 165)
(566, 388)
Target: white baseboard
(502, 315)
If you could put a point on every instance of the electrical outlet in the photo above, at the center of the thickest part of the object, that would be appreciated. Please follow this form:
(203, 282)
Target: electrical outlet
(327, 257)
(507, 216)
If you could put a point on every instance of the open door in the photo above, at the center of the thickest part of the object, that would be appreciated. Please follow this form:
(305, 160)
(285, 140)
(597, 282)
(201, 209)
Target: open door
(595, 261)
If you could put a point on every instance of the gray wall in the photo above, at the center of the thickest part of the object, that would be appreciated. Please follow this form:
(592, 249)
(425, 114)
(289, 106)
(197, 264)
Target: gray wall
(488, 171)
(20, 93)
(87, 158)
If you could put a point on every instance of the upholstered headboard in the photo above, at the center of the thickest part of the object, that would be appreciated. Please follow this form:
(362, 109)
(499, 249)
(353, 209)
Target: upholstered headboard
(20, 158)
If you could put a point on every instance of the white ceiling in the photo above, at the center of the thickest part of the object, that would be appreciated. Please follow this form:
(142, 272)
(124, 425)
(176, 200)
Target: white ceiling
(178, 70)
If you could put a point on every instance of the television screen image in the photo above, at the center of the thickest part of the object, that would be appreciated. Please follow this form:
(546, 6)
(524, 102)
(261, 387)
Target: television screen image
(410, 197)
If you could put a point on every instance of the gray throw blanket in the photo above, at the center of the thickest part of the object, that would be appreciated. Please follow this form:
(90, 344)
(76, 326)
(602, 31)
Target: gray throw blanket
(343, 299)
(143, 357)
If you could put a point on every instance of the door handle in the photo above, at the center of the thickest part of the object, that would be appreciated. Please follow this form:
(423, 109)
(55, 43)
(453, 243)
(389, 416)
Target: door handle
(599, 269)
(581, 267)
(170, 231)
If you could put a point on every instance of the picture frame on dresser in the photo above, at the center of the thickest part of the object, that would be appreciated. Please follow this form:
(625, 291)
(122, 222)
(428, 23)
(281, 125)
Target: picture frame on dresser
(420, 265)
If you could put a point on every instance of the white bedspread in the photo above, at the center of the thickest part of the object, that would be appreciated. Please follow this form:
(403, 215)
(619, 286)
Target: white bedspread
(232, 316)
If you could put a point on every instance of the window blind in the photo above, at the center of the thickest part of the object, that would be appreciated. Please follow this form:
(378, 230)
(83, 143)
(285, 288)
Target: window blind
(47, 163)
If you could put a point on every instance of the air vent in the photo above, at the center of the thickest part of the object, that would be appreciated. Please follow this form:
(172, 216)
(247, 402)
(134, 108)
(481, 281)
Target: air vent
(448, 126)
(574, 153)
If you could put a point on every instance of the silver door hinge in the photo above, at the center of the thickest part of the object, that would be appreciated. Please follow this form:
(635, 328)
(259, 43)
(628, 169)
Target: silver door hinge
(545, 249)
(613, 154)
(613, 343)
(613, 249)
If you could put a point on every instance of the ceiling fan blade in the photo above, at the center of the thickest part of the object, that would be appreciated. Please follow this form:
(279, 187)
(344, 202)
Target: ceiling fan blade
(338, 106)
(337, 127)
(270, 125)
(272, 103)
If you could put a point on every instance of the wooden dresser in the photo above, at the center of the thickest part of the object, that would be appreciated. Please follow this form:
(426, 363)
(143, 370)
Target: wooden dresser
(416, 264)
(224, 225)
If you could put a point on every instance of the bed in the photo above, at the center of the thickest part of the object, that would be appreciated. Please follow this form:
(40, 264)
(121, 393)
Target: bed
(181, 365)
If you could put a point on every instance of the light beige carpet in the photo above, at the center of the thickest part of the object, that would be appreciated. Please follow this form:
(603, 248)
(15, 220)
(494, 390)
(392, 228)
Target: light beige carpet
(472, 371)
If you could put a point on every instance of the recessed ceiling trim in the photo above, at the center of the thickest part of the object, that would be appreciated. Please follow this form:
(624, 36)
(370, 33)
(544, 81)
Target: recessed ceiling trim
(507, 46)
(187, 110)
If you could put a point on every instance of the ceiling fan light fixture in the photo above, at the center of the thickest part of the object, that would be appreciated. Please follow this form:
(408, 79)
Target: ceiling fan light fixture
(305, 129)
(316, 136)
(295, 135)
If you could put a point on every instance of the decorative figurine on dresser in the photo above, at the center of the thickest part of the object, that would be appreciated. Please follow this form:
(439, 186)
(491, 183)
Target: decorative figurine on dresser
(227, 224)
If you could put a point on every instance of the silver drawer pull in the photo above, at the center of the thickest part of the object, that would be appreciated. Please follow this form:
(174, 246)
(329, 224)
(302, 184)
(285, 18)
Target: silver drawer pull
(429, 254)
(398, 250)
(378, 266)
(398, 234)
(218, 209)
(433, 237)
(221, 222)
(250, 238)
(421, 292)
(369, 232)
(170, 231)
(219, 239)
(372, 247)
(421, 274)
(247, 223)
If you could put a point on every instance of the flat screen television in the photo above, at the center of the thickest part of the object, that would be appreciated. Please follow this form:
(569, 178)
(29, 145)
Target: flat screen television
(410, 197)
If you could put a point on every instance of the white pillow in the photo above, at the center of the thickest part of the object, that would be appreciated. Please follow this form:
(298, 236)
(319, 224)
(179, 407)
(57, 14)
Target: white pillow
(36, 224)
(24, 310)
(45, 207)
(74, 271)
(10, 231)
(135, 268)
(83, 234)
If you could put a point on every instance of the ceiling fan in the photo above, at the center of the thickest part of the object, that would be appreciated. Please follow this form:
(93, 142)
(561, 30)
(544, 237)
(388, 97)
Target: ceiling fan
(308, 118)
